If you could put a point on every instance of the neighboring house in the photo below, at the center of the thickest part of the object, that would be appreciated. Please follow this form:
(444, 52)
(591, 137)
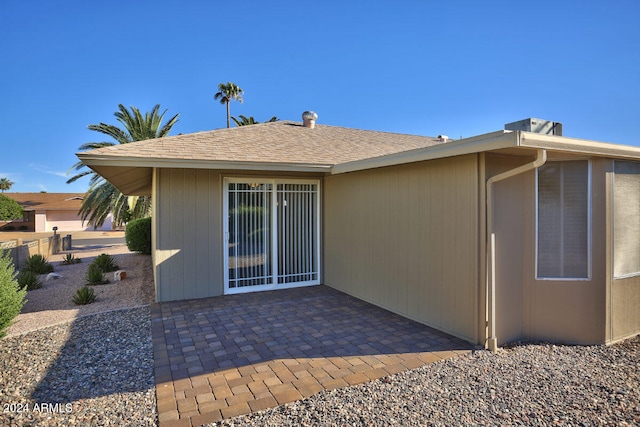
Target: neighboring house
(43, 211)
(512, 235)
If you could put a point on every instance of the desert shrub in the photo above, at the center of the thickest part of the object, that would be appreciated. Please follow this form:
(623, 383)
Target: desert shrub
(84, 296)
(70, 259)
(9, 209)
(9, 228)
(38, 264)
(11, 296)
(138, 235)
(95, 276)
(106, 263)
(29, 280)
(23, 227)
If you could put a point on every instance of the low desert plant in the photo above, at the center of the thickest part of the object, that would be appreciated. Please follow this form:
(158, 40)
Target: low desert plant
(38, 264)
(95, 276)
(23, 227)
(70, 259)
(9, 228)
(11, 296)
(138, 235)
(106, 263)
(84, 296)
(29, 280)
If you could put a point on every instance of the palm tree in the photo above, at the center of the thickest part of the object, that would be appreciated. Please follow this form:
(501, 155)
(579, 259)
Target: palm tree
(227, 93)
(102, 197)
(5, 184)
(244, 121)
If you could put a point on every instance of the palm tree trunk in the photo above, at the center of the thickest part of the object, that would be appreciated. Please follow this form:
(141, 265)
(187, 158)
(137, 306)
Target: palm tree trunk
(228, 115)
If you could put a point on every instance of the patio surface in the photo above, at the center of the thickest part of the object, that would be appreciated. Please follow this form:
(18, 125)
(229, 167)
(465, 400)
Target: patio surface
(226, 356)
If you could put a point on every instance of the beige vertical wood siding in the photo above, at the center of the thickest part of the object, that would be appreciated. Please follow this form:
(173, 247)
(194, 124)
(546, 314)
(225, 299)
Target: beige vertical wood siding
(406, 238)
(188, 227)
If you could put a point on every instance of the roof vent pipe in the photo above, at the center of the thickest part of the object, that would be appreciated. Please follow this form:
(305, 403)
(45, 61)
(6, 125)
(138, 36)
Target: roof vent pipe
(309, 119)
(443, 138)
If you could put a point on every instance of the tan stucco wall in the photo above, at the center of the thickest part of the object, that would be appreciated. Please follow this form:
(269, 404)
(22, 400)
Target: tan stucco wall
(551, 310)
(188, 228)
(406, 238)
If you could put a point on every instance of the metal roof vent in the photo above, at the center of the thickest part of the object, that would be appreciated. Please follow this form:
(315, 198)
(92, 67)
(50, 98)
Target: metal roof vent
(546, 127)
(443, 138)
(309, 119)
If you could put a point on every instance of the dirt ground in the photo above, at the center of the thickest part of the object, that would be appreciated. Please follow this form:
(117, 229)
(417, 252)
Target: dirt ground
(52, 304)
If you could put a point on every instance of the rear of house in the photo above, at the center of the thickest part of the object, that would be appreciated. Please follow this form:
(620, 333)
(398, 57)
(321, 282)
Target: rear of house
(413, 224)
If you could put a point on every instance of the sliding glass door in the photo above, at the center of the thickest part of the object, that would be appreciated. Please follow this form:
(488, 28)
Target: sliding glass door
(272, 234)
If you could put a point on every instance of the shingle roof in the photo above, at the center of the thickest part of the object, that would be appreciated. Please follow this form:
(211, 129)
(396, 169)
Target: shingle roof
(275, 142)
(47, 201)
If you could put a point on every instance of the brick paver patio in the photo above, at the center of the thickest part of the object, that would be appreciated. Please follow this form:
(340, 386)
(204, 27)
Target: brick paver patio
(226, 356)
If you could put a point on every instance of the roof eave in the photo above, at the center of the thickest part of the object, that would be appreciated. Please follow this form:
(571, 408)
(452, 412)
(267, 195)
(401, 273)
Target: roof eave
(133, 176)
(486, 142)
(578, 146)
(134, 162)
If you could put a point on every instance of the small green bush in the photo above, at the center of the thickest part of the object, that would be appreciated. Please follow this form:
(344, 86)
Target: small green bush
(9, 228)
(70, 259)
(95, 276)
(38, 264)
(9, 209)
(11, 296)
(138, 235)
(29, 280)
(84, 296)
(23, 227)
(106, 263)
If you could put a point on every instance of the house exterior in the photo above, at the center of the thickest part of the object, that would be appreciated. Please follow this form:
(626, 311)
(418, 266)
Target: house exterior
(511, 235)
(43, 211)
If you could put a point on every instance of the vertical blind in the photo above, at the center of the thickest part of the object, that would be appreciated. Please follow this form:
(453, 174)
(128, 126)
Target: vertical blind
(563, 220)
(626, 219)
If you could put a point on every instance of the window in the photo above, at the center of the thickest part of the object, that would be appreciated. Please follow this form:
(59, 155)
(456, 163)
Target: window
(626, 219)
(563, 220)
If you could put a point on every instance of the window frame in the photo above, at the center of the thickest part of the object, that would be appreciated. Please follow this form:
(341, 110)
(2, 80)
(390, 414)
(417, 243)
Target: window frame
(589, 224)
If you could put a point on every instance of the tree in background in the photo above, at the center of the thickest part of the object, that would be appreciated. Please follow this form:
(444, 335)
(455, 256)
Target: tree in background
(5, 184)
(9, 209)
(103, 198)
(244, 121)
(227, 93)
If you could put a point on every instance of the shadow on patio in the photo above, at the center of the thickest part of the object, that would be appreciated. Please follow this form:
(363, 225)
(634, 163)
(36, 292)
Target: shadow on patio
(224, 356)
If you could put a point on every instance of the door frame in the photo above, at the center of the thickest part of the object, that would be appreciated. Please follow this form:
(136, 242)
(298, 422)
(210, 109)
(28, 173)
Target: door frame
(273, 234)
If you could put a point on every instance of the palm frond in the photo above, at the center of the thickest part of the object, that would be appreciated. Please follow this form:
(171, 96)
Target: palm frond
(103, 198)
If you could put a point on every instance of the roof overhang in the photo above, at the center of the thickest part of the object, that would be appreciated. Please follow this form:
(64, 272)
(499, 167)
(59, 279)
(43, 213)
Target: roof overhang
(508, 142)
(133, 176)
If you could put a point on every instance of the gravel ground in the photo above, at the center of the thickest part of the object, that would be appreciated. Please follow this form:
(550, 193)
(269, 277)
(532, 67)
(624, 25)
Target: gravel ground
(94, 371)
(52, 304)
(532, 385)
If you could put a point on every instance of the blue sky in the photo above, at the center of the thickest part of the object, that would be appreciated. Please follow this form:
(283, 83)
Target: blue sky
(458, 68)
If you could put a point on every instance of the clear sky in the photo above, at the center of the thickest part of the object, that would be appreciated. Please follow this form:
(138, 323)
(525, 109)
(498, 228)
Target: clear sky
(458, 68)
